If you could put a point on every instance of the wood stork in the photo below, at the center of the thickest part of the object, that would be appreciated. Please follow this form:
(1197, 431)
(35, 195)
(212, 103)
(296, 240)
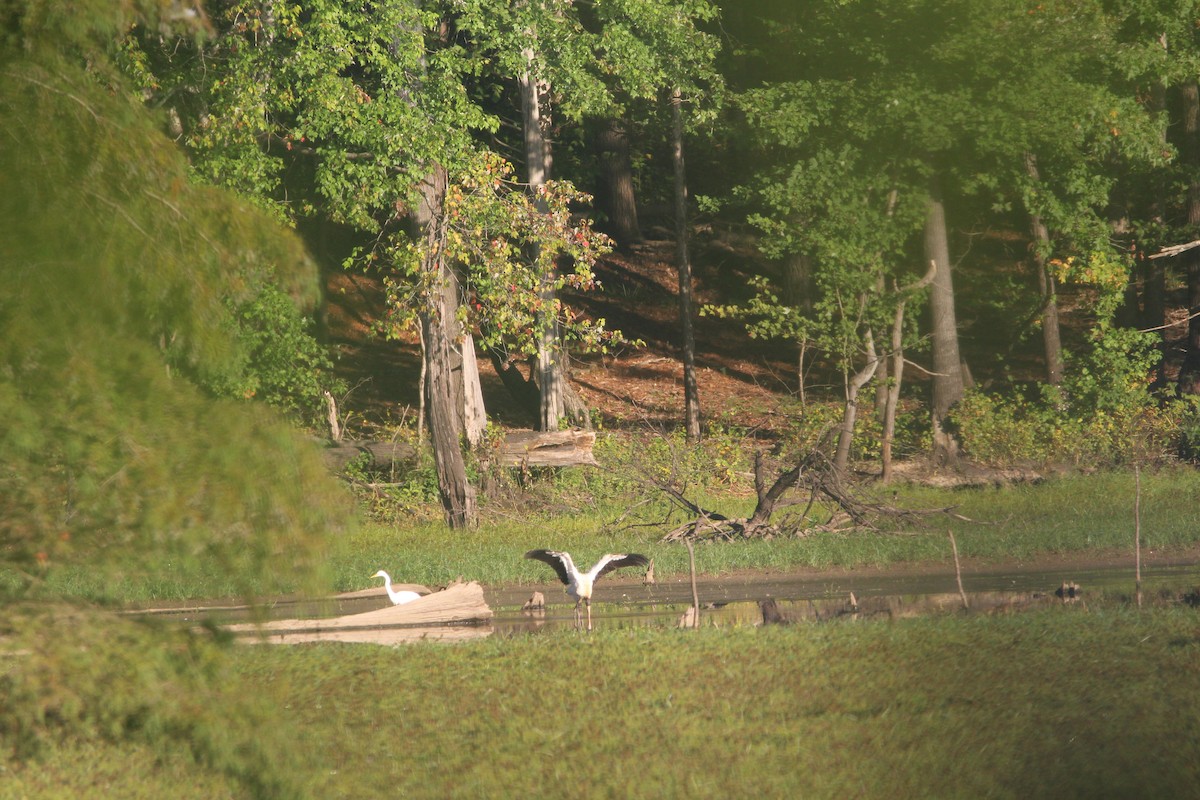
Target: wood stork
(579, 584)
(398, 598)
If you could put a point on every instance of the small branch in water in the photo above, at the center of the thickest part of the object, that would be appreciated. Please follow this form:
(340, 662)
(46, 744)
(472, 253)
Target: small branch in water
(958, 570)
(1137, 533)
(695, 594)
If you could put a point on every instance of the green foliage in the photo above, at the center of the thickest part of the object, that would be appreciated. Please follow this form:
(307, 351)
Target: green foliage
(1189, 430)
(402, 499)
(1010, 429)
(112, 449)
(766, 316)
(114, 276)
(598, 60)
(1104, 413)
(503, 243)
(85, 676)
(282, 364)
(877, 98)
(356, 106)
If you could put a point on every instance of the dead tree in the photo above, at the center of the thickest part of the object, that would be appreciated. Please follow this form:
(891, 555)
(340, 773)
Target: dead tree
(821, 486)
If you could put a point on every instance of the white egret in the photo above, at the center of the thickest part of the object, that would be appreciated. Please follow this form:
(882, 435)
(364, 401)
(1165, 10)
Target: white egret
(398, 597)
(579, 584)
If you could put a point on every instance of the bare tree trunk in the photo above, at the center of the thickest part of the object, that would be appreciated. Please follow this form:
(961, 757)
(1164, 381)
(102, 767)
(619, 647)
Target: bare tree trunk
(691, 391)
(616, 193)
(444, 390)
(537, 162)
(892, 393)
(854, 385)
(473, 410)
(947, 364)
(1051, 336)
(882, 387)
(1189, 374)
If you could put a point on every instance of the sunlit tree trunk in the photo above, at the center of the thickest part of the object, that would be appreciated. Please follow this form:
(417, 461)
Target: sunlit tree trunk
(452, 395)
(890, 389)
(691, 391)
(947, 364)
(537, 164)
(443, 387)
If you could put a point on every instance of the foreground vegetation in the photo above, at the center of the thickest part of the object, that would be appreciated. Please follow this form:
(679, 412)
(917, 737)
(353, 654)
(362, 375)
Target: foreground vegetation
(137, 466)
(1062, 702)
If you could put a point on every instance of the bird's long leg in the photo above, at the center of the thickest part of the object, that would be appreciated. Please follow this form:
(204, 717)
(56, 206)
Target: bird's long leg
(578, 620)
(588, 602)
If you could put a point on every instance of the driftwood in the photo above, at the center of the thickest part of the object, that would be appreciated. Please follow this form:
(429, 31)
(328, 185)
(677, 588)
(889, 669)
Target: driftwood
(380, 636)
(570, 448)
(459, 603)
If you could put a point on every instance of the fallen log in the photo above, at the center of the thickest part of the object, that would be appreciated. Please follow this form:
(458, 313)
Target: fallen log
(570, 448)
(376, 456)
(522, 449)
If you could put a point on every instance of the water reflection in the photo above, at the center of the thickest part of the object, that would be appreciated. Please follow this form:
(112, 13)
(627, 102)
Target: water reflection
(731, 601)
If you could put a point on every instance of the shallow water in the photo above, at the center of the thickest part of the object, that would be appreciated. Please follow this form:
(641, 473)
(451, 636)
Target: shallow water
(735, 601)
(727, 601)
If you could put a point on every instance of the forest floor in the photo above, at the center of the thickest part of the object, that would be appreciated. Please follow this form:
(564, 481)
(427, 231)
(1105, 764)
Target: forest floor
(634, 386)
(746, 383)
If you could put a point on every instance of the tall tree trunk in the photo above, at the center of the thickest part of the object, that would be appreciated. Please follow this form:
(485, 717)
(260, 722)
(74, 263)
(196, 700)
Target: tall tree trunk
(616, 195)
(1051, 336)
(443, 387)
(691, 391)
(450, 382)
(537, 164)
(891, 390)
(1189, 374)
(797, 291)
(797, 279)
(1154, 279)
(947, 364)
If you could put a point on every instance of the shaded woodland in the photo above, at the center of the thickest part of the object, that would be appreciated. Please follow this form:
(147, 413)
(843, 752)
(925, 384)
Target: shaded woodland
(966, 207)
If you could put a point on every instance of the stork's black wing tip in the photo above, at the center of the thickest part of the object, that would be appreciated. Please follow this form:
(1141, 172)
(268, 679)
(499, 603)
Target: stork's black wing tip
(555, 559)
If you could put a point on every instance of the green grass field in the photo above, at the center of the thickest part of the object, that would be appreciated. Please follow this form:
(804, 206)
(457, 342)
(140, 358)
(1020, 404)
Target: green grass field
(1068, 701)
(1063, 702)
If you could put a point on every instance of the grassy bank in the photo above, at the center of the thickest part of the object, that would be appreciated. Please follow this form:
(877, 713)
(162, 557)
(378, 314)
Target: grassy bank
(1074, 514)
(1064, 702)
